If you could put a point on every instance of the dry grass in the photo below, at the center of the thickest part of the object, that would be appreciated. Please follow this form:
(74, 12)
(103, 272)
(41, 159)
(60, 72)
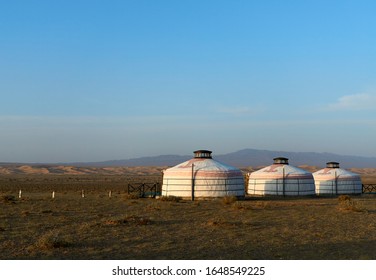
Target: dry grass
(8, 198)
(70, 227)
(170, 198)
(346, 203)
(131, 196)
(241, 205)
(135, 220)
(229, 199)
(52, 240)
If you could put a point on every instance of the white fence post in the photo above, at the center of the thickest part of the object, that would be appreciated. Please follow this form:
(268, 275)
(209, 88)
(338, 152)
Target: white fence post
(20, 194)
(53, 195)
(82, 194)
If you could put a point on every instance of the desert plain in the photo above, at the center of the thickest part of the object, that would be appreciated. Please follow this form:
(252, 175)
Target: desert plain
(109, 223)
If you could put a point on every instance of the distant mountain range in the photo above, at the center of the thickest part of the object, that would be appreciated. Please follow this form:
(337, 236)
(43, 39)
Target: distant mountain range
(245, 158)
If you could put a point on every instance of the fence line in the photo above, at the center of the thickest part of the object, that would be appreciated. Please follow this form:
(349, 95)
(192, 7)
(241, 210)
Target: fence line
(138, 189)
(369, 188)
(144, 189)
(153, 190)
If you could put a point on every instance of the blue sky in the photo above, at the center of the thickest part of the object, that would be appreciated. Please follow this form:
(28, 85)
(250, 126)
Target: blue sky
(100, 80)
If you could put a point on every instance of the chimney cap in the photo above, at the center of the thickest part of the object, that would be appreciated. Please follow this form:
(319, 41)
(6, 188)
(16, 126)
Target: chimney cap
(332, 164)
(281, 160)
(203, 154)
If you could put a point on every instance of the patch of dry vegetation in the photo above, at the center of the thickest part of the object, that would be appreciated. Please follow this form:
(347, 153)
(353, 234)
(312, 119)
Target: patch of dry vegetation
(131, 196)
(53, 240)
(170, 198)
(241, 205)
(128, 220)
(229, 200)
(346, 203)
(8, 198)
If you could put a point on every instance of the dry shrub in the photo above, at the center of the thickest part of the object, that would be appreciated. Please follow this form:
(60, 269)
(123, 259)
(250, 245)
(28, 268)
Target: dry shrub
(262, 204)
(346, 203)
(171, 198)
(219, 222)
(131, 220)
(214, 222)
(8, 198)
(52, 240)
(25, 213)
(344, 197)
(153, 207)
(131, 196)
(114, 222)
(229, 199)
(240, 205)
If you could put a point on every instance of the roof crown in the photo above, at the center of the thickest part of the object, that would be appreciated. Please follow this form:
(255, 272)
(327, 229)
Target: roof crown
(202, 154)
(281, 160)
(332, 164)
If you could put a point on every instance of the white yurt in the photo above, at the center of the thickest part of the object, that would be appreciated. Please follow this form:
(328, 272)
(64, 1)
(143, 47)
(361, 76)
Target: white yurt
(203, 177)
(281, 178)
(334, 180)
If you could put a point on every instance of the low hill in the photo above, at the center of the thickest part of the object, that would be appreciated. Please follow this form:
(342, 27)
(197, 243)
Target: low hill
(247, 157)
(38, 169)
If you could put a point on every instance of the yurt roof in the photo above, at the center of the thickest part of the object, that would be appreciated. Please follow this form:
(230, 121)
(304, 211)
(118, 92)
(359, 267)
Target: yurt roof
(203, 165)
(280, 170)
(330, 172)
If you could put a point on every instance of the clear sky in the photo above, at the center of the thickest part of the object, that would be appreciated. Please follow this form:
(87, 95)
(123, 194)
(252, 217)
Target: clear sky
(99, 80)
